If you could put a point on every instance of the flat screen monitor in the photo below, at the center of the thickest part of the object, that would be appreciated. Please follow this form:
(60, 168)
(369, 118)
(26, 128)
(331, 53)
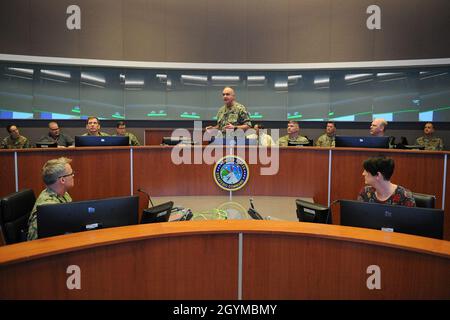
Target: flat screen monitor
(312, 212)
(159, 213)
(412, 220)
(362, 142)
(47, 144)
(63, 218)
(100, 141)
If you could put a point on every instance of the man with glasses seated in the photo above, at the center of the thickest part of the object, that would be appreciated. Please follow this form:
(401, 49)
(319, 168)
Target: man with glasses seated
(58, 176)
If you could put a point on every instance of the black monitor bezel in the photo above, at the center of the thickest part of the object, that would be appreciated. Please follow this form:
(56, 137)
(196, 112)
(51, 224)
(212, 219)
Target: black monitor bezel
(367, 142)
(96, 141)
(369, 214)
(72, 217)
(324, 215)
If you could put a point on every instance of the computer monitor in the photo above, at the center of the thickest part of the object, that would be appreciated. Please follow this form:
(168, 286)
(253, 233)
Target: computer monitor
(362, 142)
(46, 144)
(100, 141)
(159, 213)
(412, 220)
(312, 212)
(62, 218)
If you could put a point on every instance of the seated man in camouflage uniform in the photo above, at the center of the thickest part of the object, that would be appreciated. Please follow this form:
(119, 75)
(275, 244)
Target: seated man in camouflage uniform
(55, 135)
(58, 176)
(14, 140)
(293, 135)
(428, 140)
(232, 115)
(327, 139)
(93, 127)
(122, 131)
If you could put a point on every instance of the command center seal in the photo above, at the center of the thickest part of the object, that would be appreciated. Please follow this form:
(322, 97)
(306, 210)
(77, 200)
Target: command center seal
(231, 173)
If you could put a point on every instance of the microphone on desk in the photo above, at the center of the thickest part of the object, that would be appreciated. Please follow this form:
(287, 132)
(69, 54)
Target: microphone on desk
(251, 203)
(148, 196)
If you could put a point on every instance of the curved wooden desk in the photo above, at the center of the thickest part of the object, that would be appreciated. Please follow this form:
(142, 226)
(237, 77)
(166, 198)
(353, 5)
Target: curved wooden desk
(323, 174)
(227, 260)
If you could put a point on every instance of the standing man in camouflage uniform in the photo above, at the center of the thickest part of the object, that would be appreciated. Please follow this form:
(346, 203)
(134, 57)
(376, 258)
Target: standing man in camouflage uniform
(428, 140)
(327, 139)
(122, 131)
(14, 140)
(293, 135)
(93, 127)
(58, 176)
(232, 115)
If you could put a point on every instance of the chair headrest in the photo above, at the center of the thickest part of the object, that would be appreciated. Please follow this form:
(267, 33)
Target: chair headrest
(16, 205)
(424, 200)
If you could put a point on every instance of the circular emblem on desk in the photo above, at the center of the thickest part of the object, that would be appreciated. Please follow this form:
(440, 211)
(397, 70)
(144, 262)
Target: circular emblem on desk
(231, 173)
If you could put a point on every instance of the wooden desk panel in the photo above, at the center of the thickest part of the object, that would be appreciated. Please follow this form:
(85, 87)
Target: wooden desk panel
(7, 177)
(287, 267)
(99, 172)
(199, 260)
(161, 268)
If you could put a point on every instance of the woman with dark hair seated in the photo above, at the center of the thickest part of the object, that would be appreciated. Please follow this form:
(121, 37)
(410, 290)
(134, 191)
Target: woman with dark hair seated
(379, 189)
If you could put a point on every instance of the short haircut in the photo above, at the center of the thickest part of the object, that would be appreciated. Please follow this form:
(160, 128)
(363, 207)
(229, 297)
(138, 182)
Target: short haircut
(53, 122)
(293, 122)
(8, 127)
(432, 125)
(120, 123)
(380, 164)
(53, 169)
(332, 122)
(260, 126)
(87, 121)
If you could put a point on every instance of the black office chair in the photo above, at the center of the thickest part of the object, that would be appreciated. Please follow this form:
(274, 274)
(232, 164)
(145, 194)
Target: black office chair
(15, 210)
(424, 200)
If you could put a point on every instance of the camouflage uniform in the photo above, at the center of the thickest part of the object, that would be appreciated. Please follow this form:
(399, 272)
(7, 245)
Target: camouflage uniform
(283, 141)
(326, 141)
(47, 196)
(133, 139)
(62, 140)
(430, 143)
(20, 143)
(236, 115)
(99, 134)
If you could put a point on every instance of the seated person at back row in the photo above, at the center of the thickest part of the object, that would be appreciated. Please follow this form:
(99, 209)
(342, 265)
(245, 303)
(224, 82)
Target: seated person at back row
(122, 131)
(58, 177)
(261, 135)
(428, 140)
(93, 127)
(293, 135)
(327, 139)
(377, 174)
(14, 140)
(55, 135)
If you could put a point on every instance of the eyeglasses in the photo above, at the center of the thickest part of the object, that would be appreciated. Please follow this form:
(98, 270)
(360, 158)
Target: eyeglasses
(67, 175)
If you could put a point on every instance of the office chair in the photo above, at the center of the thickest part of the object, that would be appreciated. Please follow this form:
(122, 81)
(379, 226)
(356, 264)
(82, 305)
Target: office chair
(424, 200)
(15, 210)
